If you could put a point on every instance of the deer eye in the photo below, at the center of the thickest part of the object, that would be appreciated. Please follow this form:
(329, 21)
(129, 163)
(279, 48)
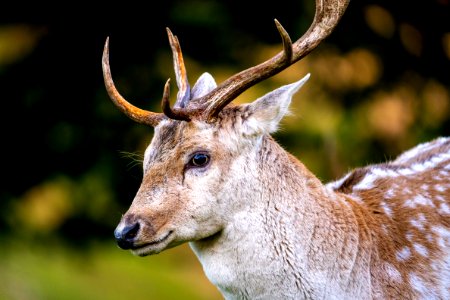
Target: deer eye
(198, 160)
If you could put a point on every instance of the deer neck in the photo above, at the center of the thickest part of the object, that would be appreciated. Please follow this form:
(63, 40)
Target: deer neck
(285, 233)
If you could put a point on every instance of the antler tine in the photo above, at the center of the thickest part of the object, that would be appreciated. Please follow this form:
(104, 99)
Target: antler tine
(133, 112)
(184, 89)
(327, 15)
(287, 42)
(176, 115)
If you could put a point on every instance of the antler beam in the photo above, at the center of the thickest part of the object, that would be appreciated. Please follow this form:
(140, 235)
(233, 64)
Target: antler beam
(327, 15)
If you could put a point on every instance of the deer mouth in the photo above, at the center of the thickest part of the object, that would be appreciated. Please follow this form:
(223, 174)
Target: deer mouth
(152, 247)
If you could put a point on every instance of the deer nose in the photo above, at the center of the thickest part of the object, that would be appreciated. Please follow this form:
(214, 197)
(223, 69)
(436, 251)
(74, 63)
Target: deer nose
(125, 236)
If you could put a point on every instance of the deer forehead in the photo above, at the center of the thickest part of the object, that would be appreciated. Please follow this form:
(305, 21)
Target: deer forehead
(175, 141)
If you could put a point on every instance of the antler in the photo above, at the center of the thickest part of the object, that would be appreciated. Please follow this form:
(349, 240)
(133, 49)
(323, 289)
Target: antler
(184, 90)
(327, 15)
(148, 117)
(133, 112)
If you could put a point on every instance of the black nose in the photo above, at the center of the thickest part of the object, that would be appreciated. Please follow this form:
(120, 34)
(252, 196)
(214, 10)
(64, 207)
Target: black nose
(126, 235)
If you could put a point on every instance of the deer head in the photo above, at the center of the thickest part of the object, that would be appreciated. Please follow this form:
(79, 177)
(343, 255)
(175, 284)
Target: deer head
(193, 182)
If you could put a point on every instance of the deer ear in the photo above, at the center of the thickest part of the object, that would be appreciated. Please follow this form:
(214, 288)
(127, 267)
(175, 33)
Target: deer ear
(203, 86)
(265, 113)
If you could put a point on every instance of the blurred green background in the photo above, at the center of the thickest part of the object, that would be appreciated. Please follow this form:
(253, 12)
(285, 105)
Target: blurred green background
(71, 161)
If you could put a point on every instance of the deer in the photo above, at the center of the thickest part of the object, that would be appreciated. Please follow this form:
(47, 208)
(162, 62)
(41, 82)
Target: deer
(261, 224)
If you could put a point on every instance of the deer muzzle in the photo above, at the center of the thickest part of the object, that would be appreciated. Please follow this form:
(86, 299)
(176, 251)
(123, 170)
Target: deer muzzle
(126, 235)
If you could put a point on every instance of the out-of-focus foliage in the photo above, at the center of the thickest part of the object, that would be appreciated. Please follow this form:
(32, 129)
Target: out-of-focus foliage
(101, 272)
(71, 161)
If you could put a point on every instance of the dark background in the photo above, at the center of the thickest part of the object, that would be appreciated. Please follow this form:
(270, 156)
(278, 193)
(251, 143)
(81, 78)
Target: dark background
(71, 160)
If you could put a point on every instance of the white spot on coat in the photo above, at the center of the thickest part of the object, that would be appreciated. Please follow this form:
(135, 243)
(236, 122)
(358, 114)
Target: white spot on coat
(367, 182)
(387, 209)
(440, 188)
(418, 200)
(444, 209)
(419, 248)
(393, 273)
(403, 254)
